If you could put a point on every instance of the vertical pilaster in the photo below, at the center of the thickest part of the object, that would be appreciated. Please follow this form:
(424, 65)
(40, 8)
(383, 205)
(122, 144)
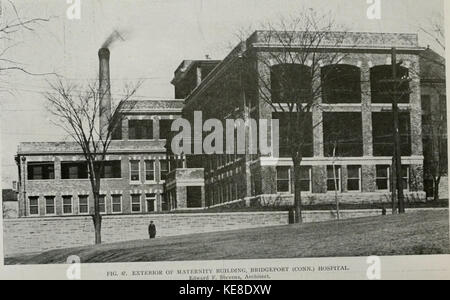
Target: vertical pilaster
(366, 110)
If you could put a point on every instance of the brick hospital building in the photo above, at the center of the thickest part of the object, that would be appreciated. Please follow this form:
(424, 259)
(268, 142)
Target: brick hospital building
(142, 176)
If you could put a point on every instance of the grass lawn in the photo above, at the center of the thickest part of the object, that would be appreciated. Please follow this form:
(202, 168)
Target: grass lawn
(411, 234)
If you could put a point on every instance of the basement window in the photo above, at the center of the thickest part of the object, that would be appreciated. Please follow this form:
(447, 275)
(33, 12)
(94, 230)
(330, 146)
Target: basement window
(341, 84)
(33, 206)
(83, 204)
(67, 205)
(354, 178)
(41, 171)
(116, 203)
(50, 205)
(136, 203)
(383, 178)
(140, 129)
(334, 178)
(283, 179)
(102, 204)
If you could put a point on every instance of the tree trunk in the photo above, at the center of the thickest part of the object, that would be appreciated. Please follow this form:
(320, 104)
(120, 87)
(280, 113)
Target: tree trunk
(298, 219)
(97, 218)
(437, 183)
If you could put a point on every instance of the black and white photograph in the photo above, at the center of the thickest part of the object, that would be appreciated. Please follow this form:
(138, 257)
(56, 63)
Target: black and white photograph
(223, 130)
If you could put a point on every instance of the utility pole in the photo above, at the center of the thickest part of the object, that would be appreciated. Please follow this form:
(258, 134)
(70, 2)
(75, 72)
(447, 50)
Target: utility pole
(397, 142)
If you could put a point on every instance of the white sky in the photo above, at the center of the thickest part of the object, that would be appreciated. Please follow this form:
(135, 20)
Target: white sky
(161, 33)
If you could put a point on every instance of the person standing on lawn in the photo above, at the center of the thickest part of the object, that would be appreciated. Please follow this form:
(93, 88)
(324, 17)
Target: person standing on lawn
(152, 230)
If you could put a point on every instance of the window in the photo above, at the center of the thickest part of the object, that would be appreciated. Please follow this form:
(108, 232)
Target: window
(34, 206)
(151, 200)
(74, 170)
(112, 170)
(149, 170)
(283, 179)
(291, 83)
(426, 109)
(164, 169)
(405, 177)
(102, 204)
(383, 133)
(116, 203)
(343, 133)
(117, 132)
(67, 205)
(354, 178)
(194, 197)
(140, 129)
(305, 179)
(284, 138)
(165, 128)
(334, 178)
(135, 171)
(381, 87)
(83, 204)
(341, 84)
(383, 178)
(443, 107)
(41, 171)
(135, 203)
(50, 205)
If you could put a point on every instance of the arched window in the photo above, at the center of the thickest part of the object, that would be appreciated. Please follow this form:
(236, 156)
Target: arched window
(382, 85)
(341, 84)
(291, 83)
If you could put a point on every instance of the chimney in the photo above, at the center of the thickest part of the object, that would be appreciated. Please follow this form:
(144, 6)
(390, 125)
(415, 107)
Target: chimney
(104, 90)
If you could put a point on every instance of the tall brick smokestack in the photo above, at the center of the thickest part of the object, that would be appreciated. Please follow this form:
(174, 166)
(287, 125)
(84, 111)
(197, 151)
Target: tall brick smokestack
(104, 90)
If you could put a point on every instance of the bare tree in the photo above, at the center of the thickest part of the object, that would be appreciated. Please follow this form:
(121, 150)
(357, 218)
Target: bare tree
(11, 23)
(296, 48)
(77, 111)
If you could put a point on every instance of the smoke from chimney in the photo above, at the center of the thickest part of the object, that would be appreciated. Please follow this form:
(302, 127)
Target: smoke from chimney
(116, 35)
(104, 90)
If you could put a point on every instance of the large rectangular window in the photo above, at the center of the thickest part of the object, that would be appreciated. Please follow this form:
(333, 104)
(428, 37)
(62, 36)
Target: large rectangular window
(41, 171)
(67, 205)
(83, 204)
(405, 177)
(354, 178)
(383, 178)
(149, 170)
(383, 133)
(288, 127)
(74, 170)
(140, 129)
(33, 206)
(136, 203)
(135, 171)
(112, 170)
(283, 179)
(342, 134)
(50, 205)
(334, 178)
(116, 203)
